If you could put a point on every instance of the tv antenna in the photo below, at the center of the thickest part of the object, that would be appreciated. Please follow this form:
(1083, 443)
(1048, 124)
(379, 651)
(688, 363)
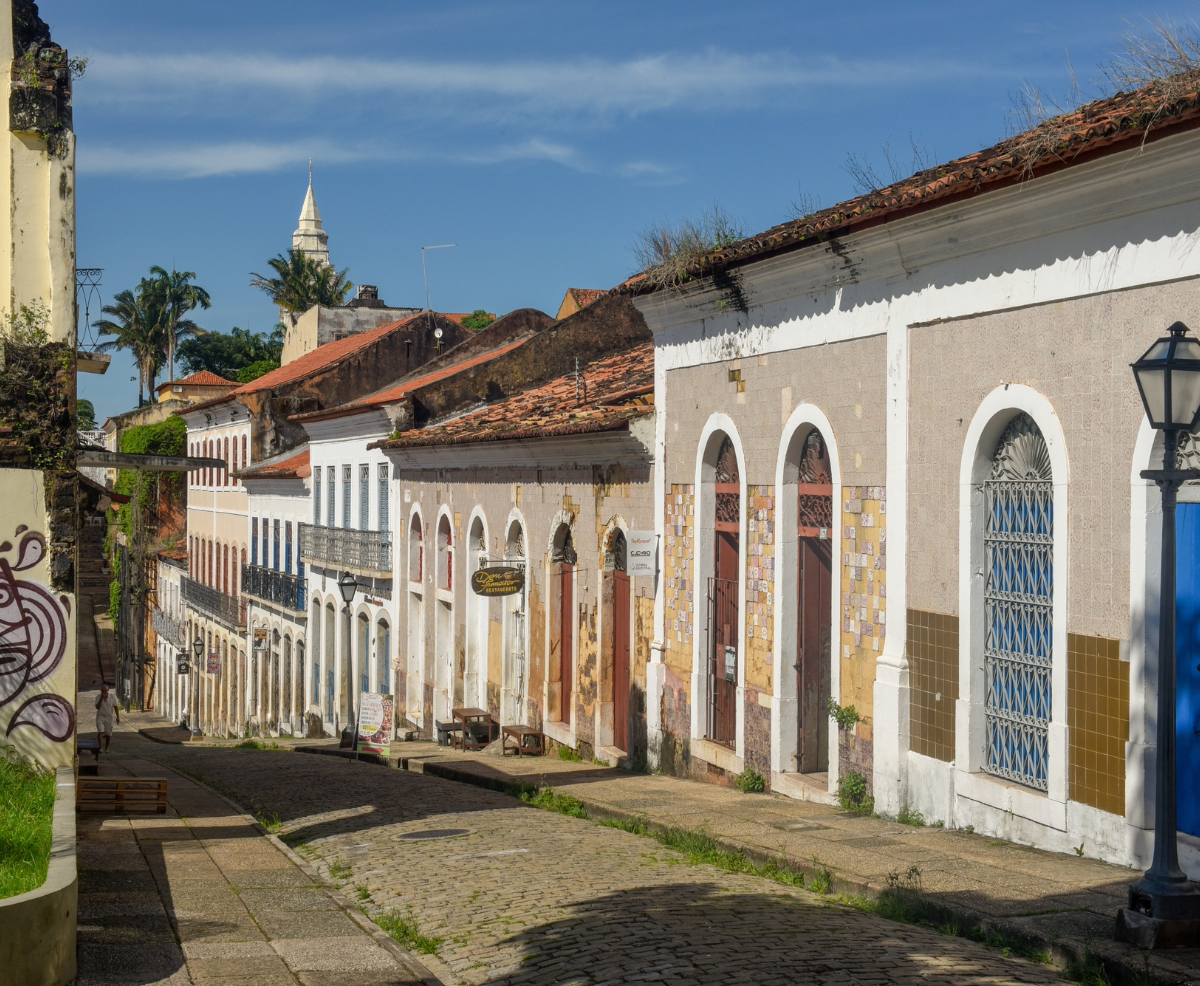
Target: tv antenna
(424, 270)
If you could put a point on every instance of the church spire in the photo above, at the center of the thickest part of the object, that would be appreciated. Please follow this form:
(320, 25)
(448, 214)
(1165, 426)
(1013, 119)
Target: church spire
(309, 237)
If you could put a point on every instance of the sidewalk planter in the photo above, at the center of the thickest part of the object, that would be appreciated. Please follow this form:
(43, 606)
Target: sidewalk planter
(37, 929)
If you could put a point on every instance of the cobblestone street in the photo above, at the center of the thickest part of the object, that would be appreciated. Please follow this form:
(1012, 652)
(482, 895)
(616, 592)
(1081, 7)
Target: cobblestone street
(529, 896)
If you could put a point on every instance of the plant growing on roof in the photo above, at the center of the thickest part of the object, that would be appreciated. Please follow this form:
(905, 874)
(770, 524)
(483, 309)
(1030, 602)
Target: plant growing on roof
(302, 282)
(478, 319)
(670, 256)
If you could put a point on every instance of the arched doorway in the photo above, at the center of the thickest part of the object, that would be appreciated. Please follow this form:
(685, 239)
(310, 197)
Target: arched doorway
(723, 596)
(615, 567)
(448, 674)
(416, 704)
(560, 693)
(512, 706)
(286, 698)
(274, 681)
(475, 679)
(814, 631)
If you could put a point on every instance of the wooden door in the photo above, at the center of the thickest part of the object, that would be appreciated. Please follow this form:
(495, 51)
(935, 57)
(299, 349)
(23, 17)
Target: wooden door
(621, 660)
(566, 639)
(723, 631)
(814, 637)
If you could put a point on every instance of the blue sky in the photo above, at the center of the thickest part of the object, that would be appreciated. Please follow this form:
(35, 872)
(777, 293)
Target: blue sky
(540, 137)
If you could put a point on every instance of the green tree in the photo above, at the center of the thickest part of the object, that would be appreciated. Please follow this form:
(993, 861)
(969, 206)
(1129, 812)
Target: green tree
(86, 415)
(139, 326)
(227, 354)
(176, 295)
(478, 319)
(302, 282)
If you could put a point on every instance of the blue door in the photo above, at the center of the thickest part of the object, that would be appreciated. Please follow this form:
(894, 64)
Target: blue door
(1187, 664)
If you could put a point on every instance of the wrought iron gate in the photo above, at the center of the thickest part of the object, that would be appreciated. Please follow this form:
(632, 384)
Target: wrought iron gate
(1018, 602)
(722, 661)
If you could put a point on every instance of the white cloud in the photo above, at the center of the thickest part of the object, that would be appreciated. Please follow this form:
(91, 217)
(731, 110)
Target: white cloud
(590, 86)
(207, 160)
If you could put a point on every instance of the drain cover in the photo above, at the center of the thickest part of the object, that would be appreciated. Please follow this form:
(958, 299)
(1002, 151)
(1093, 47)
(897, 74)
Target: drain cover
(433, 834)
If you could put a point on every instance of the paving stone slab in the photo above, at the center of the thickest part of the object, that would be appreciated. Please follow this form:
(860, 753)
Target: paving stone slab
(334, 954)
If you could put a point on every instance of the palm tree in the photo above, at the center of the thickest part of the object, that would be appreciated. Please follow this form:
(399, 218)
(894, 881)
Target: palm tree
(303, 282)
(139, 325)
(177, 295)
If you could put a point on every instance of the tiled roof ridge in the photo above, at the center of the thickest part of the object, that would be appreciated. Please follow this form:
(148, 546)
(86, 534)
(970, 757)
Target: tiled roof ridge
(286, 464)
(1143, 115)
(201, 378)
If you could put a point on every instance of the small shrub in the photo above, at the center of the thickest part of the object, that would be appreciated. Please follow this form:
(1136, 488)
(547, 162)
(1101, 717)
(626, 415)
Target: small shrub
(750, 781)
(566, 753)
(844, 715)
(634, 826)
(29, 325)
(550, 800)
(852, 794)
(403, 928)
(910, 816)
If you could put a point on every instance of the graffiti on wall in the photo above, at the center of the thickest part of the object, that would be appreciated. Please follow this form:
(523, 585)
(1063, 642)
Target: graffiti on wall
(33, 641)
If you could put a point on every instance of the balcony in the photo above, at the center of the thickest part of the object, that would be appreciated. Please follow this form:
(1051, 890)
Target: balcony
(229, 610)
(342, 549)
(170, 629)
(277, 588)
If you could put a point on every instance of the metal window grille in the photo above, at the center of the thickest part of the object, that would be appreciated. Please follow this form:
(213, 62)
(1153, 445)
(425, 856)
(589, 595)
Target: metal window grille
(383, 497)
(316, 683)
(364, 497)
(329, 695)
(317, 495)
(1018, 606)
(346, 496)
(384, 645)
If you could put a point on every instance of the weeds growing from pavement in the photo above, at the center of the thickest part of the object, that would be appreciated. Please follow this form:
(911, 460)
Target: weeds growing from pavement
(253, 744)
(852, 794)
(26, 821)
(403, 928)
(566, 753)
(552, 800)
(340, 871)
(270, 821)
(910, 816)
(750, 781)
(362, 891)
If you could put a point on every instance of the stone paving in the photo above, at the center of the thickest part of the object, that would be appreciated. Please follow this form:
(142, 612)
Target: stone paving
(201, 896)
(518, 895)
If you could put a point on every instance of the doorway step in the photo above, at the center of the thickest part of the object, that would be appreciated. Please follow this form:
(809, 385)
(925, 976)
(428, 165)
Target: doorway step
(612, 756)
(804, 787)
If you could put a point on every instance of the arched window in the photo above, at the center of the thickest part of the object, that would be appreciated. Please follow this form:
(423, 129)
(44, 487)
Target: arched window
(245, 457)
(445, 551)
(226, 457)
(1018, 548)
(562, 632)
(416, 551)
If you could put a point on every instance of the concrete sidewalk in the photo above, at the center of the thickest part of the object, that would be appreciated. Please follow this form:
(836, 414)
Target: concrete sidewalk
(201, 895)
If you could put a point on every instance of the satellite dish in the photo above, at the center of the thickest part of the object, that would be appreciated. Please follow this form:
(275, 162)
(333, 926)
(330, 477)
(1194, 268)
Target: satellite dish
(437, 333)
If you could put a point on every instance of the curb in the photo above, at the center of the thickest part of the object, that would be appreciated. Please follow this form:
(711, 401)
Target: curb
(412, 964)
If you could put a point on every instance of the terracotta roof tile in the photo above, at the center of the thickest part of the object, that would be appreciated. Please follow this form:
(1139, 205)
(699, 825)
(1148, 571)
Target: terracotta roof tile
(322, 357)
(619, 388)
(293, 467)
(205, 378)
(1105, 126)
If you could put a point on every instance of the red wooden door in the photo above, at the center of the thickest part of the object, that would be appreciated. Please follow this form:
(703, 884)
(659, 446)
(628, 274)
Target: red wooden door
(723, 630)
(814, 636)
(566, 637)
(621, 660)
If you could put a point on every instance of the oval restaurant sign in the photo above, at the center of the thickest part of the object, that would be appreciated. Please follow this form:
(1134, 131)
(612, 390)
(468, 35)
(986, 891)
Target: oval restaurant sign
(500, 581)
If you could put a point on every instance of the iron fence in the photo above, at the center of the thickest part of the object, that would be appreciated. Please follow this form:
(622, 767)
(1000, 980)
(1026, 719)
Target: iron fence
(271, 586)
(230, 610)
(339, 547)
(170, 629)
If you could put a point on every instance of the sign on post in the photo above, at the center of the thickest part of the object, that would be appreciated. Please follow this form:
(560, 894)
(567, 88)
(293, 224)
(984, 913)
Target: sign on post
(375, 724)
(499, 581)
(183, 666)
(641, 553)
(214, 663)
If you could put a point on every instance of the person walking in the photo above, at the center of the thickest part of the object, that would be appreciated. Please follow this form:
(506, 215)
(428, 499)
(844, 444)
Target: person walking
(106, 708)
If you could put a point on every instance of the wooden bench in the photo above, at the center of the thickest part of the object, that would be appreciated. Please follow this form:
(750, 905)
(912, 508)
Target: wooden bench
(528, 740)
(478, 728)
(87, 744)
(121, 794)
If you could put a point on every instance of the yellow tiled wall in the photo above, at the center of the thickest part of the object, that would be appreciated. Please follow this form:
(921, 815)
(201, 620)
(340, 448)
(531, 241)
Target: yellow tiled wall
(932, 652)
(760, 587)
(1098, 720)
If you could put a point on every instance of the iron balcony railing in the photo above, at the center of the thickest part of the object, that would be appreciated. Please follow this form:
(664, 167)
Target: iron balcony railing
(230, 610)
(170, 629)
(339, 547)
(275, 587)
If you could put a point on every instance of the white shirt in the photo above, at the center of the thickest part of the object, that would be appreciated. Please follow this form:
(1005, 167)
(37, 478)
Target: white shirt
(104, 711)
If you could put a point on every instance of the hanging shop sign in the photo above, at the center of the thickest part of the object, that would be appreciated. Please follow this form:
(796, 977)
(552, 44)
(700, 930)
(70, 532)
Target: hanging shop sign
(260, 638)
(375, 724)
(182, 666)
(641, 553)
(499, 581)
(214, 663)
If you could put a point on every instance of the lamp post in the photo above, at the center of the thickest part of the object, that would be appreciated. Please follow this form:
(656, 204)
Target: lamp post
(348, 585)
(1168, 379)
(198, 649)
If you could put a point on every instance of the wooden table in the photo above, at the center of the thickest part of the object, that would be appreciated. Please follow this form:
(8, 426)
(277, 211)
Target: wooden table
(476, 717)
(522, 733)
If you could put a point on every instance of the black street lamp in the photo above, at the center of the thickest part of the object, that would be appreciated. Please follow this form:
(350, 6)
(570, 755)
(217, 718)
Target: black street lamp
(198, 648)
(348, 585)
(1166, 903)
